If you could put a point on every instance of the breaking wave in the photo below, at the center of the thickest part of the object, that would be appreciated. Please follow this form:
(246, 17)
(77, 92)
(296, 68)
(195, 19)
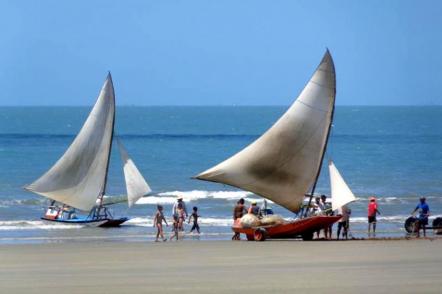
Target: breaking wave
(170, 197)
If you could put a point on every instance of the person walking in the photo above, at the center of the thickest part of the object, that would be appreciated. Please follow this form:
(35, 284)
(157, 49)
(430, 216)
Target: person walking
(181, 203)
(372, 212)
(195, 217)
(158, 223)
(424, 213)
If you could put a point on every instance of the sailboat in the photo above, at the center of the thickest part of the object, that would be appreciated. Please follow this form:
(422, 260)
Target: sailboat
(284, 164)
(78, 179)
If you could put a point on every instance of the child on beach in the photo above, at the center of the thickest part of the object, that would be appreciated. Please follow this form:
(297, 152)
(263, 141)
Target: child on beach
(195, 217)
(175, 228)
(158, 223)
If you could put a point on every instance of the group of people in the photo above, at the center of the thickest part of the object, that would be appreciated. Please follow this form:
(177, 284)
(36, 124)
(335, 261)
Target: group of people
(372, 211)
(320, 207)
(179, 215)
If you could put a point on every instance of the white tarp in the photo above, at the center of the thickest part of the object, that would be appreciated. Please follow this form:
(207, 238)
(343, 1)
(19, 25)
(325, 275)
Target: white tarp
(282, 164)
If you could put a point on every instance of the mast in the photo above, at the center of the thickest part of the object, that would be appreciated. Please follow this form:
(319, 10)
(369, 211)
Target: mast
(323, 154)
(103, 190)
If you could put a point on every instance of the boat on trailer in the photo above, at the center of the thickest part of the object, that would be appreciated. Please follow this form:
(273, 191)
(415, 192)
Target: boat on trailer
(77, 181)
(283, 165)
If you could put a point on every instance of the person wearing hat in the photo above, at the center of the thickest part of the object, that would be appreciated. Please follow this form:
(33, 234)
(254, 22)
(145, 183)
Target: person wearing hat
(254, 209)
(372, 211)
(182, 205)
(424, 213)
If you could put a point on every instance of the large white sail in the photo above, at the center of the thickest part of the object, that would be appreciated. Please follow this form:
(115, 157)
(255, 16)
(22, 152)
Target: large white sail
(282, 164)
(79, 176)
(136, 185)
(340, 193)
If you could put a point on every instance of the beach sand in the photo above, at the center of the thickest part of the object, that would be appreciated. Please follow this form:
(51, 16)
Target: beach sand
(393, 266)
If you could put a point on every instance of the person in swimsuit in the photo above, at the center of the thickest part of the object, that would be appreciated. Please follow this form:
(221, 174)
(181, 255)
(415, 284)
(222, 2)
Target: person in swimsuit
(238, 213)
(195, 217)
(181, 216)
(175, 228)
(158, 223)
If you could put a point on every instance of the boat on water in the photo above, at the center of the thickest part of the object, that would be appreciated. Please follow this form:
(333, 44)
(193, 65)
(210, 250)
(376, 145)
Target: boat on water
(283, 165)
(77, 181)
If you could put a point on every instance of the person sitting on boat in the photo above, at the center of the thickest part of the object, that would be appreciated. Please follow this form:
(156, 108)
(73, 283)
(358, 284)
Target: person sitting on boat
(344, 222)
(318, 207)
(424, 213)
(254, 209)
(238, 212)
(175, 206)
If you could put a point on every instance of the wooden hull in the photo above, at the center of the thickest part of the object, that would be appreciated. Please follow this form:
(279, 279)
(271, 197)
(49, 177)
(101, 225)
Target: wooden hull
(298, 228)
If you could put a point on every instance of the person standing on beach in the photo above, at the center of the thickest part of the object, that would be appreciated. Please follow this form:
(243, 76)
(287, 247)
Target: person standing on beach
(195, 217)
(344, 222)
(158, 223)
(424, 213)
(372, 211)
(238, 212)
(327, 210)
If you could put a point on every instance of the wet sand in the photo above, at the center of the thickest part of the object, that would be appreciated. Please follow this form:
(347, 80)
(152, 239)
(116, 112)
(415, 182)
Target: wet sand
(393, 266)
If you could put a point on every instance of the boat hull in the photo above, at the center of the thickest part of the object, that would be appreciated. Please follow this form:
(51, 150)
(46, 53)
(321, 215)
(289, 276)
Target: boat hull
(103, 223)
(298, 228)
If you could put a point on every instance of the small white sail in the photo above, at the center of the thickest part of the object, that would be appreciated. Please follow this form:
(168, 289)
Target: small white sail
(282, 164)
(136, 185)
(341, 194)
(79, 176)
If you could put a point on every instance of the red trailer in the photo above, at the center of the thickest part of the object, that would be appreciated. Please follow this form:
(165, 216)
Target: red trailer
(303, 228)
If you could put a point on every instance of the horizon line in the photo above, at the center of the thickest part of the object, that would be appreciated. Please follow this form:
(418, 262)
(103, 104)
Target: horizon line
(217, 105)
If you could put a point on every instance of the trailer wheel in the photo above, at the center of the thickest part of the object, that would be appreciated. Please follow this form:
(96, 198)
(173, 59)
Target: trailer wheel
(308, 236)
(259, 235)
(411, 225)
(437, 225)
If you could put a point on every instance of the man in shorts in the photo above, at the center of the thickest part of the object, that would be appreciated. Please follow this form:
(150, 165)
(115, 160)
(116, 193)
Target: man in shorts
(372, 211)
(424, 213)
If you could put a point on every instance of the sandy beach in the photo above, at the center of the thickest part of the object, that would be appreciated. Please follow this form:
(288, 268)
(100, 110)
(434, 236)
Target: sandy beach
(394, 266)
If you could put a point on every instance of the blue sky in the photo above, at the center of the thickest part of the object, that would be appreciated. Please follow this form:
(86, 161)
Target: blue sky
(218, 52)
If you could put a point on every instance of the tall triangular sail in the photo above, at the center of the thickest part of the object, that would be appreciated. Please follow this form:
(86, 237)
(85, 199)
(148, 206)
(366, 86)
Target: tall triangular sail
(340, 193)
(79, 176)
(136, 185)
(282, 164)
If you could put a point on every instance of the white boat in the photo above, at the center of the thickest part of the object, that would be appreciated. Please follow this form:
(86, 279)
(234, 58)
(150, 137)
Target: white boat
(284, 164)
(78, 179)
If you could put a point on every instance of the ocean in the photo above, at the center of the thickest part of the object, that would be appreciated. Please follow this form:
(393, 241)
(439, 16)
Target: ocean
(392, 152)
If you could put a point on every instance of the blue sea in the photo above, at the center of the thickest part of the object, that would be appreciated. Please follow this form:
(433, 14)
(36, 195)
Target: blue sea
(392, 152)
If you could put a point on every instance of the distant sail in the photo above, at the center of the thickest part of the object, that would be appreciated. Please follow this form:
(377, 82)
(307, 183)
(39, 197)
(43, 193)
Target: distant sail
(135, 183)
(340, 193)
(79, 176)
(282, 164)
